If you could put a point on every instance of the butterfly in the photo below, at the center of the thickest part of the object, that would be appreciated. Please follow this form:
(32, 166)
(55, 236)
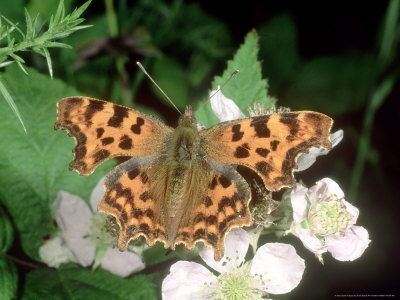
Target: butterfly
(180, 185)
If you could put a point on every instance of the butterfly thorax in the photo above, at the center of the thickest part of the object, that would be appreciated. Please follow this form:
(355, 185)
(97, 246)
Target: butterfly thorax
(183, 161)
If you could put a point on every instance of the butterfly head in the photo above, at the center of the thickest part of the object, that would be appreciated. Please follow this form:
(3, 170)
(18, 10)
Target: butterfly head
(187, 119)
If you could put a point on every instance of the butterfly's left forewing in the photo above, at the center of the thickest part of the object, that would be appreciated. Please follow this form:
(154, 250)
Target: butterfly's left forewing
(268, 144)
(103, 130)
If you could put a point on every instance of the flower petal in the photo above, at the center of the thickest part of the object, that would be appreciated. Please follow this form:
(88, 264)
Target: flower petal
(121, 263)
(310, 241)
(97, 194)
(306, 160)
(280, 267)
(328, 185)
(186, 281)
(236, 245)
(72, 214)
(54, 253)
(350, 246)
(83, 249)
(352, 210)
(299, 203)
(225, 109)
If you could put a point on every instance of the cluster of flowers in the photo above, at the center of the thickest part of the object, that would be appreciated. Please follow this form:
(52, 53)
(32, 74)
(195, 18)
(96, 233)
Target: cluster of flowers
(322, 219)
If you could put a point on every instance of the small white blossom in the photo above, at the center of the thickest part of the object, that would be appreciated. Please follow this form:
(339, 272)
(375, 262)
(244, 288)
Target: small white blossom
(54, 253)
(82, 229)
(324, 221)
(275, 269)
(224, 108)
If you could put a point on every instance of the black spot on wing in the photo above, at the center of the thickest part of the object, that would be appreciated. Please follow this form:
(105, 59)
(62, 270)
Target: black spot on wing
(237, 134)
(93, 107)
(208, 201)
(118, 117)
(213, 183)
(125, 142)
(262, 152)
(292, 122)
(274, 145)
(106, 141)
(100, 132)
(242, 151)
(224, 181)
(132, 174)
(136, 127)
(260, 126)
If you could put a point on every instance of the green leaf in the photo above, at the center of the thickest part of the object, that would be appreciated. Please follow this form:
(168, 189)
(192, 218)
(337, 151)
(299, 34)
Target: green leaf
(334, 85)
(248, 85)
(8, 279)
(48, 60)
(46, 8)
(6, 231)
(78, 283)
(389, 41)
(4, 92)
(34, 167)
(169, 75)
(157, 254)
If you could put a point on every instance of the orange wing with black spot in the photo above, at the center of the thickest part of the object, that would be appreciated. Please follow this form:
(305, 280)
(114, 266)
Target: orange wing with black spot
(222, 205)
(268, 144)
(103, 130)
(127, 197)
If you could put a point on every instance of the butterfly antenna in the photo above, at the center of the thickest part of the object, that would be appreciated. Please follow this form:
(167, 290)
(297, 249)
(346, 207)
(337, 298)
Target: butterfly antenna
(229, 79)
(152, 80)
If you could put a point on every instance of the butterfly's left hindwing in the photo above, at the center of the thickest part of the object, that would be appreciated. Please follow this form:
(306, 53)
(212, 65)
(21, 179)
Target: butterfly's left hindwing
(268, 144)
(127, 197)
(103, 130)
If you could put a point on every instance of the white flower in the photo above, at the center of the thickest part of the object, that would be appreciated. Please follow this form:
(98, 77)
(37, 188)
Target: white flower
(275, 269)
(324, 221)
(224, 108)
(54, 253)
(80, 235)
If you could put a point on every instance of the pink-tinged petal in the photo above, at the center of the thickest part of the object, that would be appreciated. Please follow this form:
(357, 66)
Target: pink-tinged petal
(299, 203)
(225, 109)
(122, 263)
(236, 245)
(97, 194)
(280, 267)
(352, 210)
(83, 249)
(72, 215)
(331, 187)
(54, 253)
(306, 160)
(310, 241)
(350, 246)
(186, 281)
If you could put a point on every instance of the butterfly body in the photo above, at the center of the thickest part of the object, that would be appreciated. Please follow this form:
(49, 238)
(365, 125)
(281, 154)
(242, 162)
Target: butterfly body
(181, 185)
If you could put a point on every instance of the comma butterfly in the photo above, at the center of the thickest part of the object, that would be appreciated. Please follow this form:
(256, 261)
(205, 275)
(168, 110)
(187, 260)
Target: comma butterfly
(181, 185)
